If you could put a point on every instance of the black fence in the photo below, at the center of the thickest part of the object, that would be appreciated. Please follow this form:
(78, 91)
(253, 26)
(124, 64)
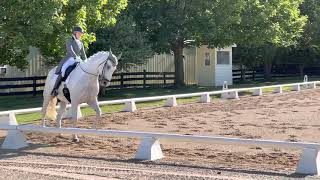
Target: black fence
(276, 72)
(16, 83)
(238, 75)
(34, 85)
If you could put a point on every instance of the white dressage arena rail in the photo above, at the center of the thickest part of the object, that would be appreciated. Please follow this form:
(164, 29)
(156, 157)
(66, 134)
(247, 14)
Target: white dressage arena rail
(150, 149)
(171, 99)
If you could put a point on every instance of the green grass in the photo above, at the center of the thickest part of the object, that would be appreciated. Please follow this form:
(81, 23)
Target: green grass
(21, 102)
(27, 101)
(27, 118)
(31, 117)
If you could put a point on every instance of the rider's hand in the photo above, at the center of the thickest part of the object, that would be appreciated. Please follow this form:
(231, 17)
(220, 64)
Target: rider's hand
(78, 59)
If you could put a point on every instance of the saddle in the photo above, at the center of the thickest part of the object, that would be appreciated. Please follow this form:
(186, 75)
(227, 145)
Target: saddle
(68, 71)
(65, 89)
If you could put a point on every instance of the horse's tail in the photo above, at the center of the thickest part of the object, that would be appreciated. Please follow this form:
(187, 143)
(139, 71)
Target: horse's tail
(49, 102)
(51, 109)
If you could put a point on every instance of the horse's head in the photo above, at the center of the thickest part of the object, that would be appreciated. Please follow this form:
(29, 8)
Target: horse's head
(108, 69)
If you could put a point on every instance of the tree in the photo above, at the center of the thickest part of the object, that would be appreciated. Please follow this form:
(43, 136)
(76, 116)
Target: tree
(311, 33)
(47, 24)
(124, 37)
(307, 51)
(172, 25)
(247, 59)
(302, 57)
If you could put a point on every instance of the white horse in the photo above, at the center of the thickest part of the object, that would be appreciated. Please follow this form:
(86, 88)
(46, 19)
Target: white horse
(83, 85)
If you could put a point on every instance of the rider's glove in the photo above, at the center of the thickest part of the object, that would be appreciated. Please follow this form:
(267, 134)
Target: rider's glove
(78, 59)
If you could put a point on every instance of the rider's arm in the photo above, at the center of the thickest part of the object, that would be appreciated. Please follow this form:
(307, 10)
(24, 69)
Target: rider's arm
(83, 54)
(70, 49)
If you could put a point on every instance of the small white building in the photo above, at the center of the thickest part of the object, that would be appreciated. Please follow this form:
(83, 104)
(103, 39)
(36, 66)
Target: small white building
(212, 66)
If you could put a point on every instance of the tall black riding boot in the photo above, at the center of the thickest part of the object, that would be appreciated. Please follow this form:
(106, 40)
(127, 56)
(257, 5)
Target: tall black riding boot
(56, 85)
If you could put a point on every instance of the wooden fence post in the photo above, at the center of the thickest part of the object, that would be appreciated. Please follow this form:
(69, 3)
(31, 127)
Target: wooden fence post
(144, 78)
(164, 79)
(121, 76)
(34, 92)
(253, 74)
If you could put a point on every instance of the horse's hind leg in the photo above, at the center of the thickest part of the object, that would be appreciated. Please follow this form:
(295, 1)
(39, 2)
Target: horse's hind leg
(95, 106)
(45, 104)
(62, 109)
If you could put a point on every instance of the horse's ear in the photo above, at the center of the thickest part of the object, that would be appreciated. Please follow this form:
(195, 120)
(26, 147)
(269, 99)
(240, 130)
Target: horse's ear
(119, 57)
(110, 51)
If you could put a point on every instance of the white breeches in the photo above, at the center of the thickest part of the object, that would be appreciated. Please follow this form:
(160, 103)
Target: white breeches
(68, 63)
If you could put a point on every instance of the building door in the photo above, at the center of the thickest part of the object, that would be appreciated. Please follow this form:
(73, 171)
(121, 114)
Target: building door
(223, 70)
(205, 66)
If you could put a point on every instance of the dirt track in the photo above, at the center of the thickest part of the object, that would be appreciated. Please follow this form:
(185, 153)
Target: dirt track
(292, 116)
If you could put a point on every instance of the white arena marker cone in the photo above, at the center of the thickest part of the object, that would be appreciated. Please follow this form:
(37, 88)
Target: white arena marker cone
(171, 102)
(149, 149)
(225, 95)
(205, 98)
(15, 139)
(130, 106)
(305, 79)
(309, 162)
(68, 113)
(225, 85)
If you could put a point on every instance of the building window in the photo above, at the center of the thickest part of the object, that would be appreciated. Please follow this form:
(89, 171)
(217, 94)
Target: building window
(223, 57)
(3, 70)
(207, 59)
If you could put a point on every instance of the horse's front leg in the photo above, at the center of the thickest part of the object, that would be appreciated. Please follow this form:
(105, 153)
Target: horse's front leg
(94, 104)
(74, 109)
(62, 109)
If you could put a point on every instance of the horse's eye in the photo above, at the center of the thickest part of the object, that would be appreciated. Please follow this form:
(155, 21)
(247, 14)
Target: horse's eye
(108, 67)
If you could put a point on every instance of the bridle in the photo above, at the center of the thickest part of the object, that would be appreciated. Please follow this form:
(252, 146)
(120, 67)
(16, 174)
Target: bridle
(101, 76)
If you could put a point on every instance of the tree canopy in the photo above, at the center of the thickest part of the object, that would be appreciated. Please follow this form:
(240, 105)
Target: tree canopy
(47, 24)
(169, 25)
(172, 25)
(304, 51)
(124, 37)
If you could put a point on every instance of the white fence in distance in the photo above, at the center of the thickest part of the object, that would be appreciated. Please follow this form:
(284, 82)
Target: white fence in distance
(171, 99)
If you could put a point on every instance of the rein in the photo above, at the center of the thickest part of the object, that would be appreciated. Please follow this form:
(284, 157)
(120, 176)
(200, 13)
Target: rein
(103, 70)
(87, 72)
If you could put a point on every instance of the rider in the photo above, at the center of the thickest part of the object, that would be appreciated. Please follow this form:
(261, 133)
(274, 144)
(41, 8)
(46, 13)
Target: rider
(75, 50)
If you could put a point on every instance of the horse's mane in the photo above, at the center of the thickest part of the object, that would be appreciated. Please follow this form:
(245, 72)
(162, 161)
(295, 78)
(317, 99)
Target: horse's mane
(98, 55)
(102, 53)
